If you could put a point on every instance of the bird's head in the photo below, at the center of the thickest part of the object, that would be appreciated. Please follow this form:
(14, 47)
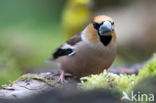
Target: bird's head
(104, 25)
(101, 29)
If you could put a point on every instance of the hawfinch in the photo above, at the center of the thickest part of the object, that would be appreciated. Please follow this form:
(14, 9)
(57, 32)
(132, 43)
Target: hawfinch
(89, 52)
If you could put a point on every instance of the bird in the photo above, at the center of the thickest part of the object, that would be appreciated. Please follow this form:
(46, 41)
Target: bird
(90, 51)
(80, 10)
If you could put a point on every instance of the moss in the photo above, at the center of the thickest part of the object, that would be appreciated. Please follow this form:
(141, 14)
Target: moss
(109, 81)
(49, 80)
(121, 82)
(148, 70)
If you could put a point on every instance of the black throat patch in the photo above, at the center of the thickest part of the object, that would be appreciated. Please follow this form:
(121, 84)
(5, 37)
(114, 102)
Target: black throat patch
(105, 39)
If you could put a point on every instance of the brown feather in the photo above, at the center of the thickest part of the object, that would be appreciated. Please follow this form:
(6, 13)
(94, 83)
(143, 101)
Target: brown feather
(100, 18)
(74, 40)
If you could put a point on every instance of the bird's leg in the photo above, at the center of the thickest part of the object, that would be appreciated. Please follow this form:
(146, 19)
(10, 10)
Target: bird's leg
(61, 78)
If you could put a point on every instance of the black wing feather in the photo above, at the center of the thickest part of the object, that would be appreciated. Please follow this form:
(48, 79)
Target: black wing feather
(67, 51)
(62, 52)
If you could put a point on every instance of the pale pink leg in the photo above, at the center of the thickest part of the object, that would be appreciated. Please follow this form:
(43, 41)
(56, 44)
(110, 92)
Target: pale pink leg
(61, 78)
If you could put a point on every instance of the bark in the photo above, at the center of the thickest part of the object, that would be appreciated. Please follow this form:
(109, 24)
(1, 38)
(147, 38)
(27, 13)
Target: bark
(31, 84)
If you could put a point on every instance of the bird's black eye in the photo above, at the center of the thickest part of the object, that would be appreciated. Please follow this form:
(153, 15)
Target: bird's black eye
(112, 23)
(96, 25)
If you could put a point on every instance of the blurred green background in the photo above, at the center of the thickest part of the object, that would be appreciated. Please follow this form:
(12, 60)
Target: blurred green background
(30, 30)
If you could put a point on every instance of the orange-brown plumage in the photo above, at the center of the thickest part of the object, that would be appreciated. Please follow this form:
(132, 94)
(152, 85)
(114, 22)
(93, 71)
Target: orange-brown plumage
(92, 34)
(100, 18)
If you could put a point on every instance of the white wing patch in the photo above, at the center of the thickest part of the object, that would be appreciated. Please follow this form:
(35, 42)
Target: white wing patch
(67, 46)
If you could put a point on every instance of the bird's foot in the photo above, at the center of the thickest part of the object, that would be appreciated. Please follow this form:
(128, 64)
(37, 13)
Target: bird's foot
(61, 78)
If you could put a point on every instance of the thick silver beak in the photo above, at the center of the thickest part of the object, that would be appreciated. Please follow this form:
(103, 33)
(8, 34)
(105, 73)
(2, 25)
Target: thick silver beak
(106, 28)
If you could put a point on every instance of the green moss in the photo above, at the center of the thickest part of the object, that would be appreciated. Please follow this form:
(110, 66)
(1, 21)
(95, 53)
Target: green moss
(121, 82)
(49, 80)
(109, 81)
(148, 70)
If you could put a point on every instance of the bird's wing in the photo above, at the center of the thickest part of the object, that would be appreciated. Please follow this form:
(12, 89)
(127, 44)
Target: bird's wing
(74, 40)
(67, 49)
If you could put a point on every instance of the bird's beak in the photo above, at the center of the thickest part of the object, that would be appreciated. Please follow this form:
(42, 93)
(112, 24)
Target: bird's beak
(105, 29)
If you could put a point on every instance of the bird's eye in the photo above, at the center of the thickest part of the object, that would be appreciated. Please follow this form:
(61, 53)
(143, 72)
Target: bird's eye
(96, 25)
(112, 23)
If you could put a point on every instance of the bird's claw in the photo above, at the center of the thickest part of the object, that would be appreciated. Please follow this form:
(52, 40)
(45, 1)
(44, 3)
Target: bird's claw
(61, 78)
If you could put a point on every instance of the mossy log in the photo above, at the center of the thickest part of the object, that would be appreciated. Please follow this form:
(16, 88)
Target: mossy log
(32, 85)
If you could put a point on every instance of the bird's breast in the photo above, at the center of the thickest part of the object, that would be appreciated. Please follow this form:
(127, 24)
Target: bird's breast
(89, 59)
